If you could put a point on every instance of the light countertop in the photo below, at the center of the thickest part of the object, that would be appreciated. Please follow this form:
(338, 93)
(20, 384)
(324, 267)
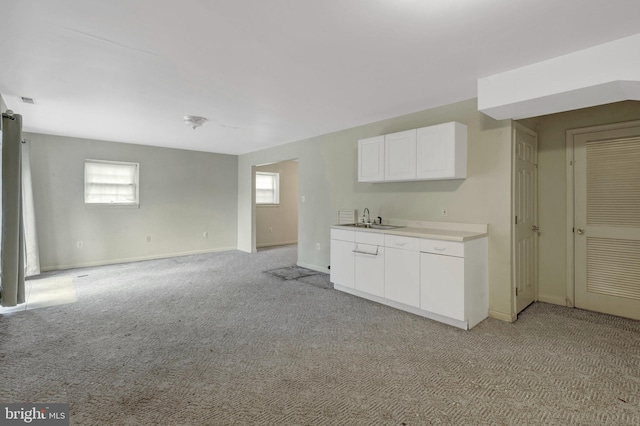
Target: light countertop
(410, 231)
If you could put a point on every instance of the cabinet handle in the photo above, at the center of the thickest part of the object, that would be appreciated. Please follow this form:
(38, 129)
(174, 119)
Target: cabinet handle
(440, 248)
(401, 244)
(365, 252)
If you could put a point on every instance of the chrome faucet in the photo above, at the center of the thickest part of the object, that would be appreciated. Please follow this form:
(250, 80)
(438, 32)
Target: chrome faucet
(366, 209)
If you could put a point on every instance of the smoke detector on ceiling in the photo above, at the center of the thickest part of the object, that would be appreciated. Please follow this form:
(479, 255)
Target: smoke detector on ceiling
(193, 121)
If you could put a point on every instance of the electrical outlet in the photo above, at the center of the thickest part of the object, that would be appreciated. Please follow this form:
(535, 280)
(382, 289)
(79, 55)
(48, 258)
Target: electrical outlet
(303, 199)
(79, 244)
(148, 238)
(445, 211)
(205, 234)
(317, 246)
(270, 229)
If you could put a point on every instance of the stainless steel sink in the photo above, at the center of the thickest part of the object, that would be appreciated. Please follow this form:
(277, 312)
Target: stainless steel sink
(372, 226)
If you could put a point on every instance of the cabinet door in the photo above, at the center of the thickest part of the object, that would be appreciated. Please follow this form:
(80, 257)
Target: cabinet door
(402, 276)
(371, 159)
(369, 261)
(400, 156)
(342, 263)
(442, 151)
(442, 285)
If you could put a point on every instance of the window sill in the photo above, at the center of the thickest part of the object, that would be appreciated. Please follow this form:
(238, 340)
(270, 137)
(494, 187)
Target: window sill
(112, 205)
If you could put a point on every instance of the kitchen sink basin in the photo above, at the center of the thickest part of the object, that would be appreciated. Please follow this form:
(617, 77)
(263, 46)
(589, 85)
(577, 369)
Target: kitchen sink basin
(372, 226)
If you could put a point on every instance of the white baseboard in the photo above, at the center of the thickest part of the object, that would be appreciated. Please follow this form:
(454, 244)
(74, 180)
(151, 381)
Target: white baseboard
(280, 243)
(313, 267)
(131, 259)
(502, 316)
(552, 299)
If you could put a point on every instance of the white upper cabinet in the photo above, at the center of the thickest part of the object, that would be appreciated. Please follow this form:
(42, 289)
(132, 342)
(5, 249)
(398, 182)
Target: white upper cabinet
(400, 156)
(442, 152)
(371, 159)
(428, 153)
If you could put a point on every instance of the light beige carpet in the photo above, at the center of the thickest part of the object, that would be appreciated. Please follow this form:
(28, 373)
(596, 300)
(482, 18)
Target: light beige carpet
(213, 340)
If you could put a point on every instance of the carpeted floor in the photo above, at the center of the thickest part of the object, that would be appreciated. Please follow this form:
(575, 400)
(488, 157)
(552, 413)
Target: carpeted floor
(213, 340)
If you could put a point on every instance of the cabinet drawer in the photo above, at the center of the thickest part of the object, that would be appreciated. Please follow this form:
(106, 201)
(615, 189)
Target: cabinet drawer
(448, 248)
(343, 235)
(370, 238)
(403, 243)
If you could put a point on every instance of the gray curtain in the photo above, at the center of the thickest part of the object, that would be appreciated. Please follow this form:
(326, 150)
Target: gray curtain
(31, 251)
(12, 249)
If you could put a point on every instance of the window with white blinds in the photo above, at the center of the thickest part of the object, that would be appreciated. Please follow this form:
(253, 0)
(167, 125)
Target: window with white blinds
(267, 188)
(111, 183)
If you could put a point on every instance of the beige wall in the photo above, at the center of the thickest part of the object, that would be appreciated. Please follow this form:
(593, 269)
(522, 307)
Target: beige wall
(552, 194)
(182, 195)
(277, 225)
(328, 181)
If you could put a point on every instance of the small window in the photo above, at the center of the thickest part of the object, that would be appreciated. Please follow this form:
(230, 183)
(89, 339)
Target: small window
(267, 188)
(111, 183)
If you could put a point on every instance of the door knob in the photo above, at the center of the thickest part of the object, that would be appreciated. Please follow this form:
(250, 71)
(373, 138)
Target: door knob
(580, 231)
(535, 228)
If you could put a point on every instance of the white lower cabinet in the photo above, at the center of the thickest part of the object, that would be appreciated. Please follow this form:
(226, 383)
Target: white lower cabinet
(454, 280)
(369, 260)
(357, 261)
(342, 258)
(402, 270)
(439, 279)
(442, 285)
(342, 263)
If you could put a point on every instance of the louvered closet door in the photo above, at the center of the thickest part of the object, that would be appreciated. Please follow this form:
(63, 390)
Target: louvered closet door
(607, 222)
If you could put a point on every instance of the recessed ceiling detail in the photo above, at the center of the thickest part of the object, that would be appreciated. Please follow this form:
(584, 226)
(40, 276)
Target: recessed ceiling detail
(602, 74)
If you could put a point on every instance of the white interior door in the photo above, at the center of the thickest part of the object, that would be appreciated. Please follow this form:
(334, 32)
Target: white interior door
(526, 217)
(607, 221)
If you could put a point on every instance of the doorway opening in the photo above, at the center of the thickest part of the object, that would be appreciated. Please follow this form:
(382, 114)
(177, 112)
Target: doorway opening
(275, 204)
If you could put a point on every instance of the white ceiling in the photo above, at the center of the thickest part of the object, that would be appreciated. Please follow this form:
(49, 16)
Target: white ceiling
(268, 72)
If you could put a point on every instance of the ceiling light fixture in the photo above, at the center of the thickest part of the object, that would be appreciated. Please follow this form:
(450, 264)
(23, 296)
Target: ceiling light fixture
(193, 121)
